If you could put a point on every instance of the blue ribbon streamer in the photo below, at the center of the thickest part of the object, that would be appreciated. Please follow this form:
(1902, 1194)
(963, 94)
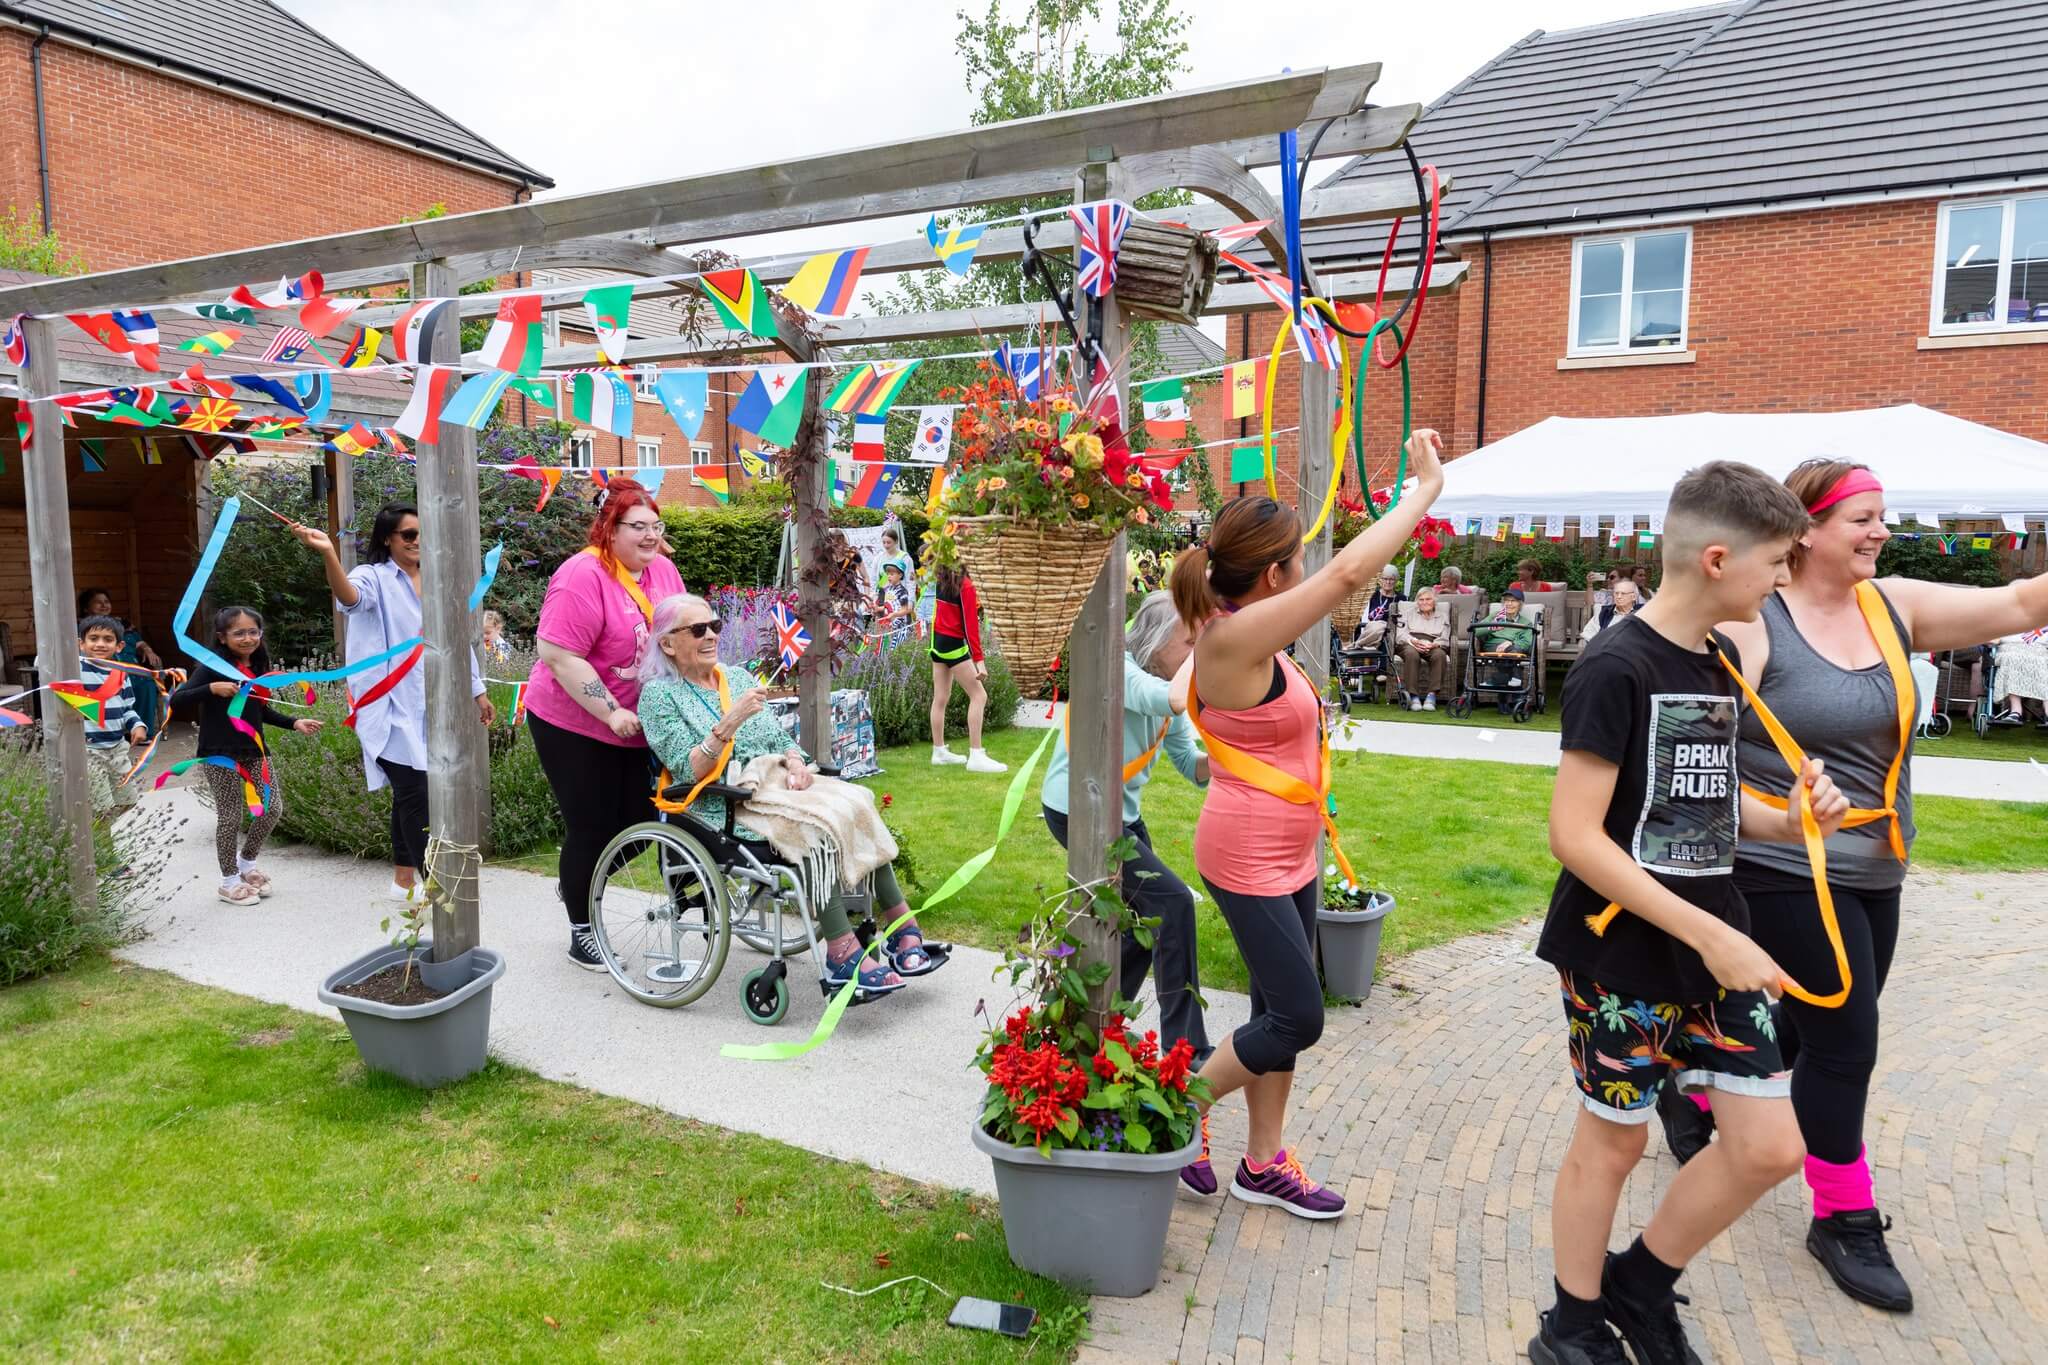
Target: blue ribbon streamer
(1290, 216)
(483, 585)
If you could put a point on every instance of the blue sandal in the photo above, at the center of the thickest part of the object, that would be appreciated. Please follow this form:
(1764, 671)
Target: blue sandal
(873, 981)
(921, 959)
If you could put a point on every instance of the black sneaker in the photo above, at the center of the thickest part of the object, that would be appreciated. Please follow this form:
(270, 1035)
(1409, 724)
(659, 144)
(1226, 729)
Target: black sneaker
(583, 948)
(1655, 1335)
(1687, 1127)
(1597, 1347)
(1851, 1246)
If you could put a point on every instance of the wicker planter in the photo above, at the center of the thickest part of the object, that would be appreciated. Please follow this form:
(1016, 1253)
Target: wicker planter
(1346, 615)
(1032, 580)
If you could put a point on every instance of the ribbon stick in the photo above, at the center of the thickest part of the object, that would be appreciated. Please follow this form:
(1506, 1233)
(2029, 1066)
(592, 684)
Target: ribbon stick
(965, 873)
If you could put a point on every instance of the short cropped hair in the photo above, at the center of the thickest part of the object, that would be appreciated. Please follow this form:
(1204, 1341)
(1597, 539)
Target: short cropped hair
(106, 623)
(1729, 503)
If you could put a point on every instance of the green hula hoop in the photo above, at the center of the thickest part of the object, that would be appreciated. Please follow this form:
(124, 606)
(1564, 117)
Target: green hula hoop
(1358, 419)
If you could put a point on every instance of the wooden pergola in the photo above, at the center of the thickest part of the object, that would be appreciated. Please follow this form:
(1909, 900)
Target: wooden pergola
(1207, 141)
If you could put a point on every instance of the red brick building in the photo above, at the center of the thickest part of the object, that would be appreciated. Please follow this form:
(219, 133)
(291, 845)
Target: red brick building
(160, 129)
(1774, 205)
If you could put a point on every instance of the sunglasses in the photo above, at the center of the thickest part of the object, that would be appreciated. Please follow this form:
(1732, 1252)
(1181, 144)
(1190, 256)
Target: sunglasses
(410, 535)
(701, 628)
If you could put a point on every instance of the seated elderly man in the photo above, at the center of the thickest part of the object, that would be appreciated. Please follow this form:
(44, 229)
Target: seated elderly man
(1624, 600)
(1501, 652)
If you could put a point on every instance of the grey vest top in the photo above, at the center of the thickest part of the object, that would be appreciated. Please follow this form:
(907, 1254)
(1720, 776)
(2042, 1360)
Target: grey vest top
(1848, 718)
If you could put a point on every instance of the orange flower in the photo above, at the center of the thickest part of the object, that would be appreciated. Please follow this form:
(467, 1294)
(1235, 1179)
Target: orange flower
(1080, 500)
(1086, 448)
(1142, 517)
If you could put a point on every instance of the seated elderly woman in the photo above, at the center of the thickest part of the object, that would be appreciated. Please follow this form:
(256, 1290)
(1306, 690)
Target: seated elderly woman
(1426, 644)
(688, 728)
(1382, 612)
(1502, 651)
(2022, 676)
(1451, 579)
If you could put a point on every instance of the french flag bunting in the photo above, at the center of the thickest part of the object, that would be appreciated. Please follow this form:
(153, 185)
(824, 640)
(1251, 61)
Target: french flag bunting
(1098, 232)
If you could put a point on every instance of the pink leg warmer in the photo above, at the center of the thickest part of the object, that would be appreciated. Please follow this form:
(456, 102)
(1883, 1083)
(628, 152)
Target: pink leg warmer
(1699, 1098)
(1840, 1189)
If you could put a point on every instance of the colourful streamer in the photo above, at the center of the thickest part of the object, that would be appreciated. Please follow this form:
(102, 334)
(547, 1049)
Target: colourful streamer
(965, 873)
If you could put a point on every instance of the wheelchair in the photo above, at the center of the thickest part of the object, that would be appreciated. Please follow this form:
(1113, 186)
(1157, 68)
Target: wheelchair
(1357, 669)
(670, 895)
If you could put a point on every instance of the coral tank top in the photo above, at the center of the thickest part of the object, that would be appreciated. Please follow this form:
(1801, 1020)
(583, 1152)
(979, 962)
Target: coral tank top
(1247, 840)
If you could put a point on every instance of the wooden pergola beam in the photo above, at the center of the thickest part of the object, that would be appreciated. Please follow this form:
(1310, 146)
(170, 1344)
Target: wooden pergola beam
(750, 195)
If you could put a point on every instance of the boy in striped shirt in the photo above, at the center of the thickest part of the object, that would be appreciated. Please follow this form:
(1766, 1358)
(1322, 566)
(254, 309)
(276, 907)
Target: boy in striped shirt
(118, 726)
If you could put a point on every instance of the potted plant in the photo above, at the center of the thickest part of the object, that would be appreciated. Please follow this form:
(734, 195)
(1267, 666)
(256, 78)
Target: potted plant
(1088, 1124)
(1348, 925)
(426, 1022)
(1037, 492)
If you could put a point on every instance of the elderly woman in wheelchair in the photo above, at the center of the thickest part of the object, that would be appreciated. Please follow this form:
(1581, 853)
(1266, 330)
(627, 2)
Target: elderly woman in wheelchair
(670, 894)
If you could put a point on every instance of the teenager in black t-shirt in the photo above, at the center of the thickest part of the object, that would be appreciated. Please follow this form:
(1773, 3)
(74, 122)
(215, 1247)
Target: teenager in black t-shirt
(1669, 989)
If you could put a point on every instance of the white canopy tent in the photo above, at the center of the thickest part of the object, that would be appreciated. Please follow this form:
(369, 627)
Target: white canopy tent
(1933, 465)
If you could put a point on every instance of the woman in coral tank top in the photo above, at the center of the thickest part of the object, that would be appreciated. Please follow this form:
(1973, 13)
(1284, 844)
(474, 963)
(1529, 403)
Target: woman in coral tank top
(1244, 594)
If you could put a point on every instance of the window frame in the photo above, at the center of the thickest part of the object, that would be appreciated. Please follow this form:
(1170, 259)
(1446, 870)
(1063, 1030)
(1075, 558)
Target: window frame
(2001, 290)
(701, 454)
(580, 450)
(641, 445)
(1627, 241)
(643, 383)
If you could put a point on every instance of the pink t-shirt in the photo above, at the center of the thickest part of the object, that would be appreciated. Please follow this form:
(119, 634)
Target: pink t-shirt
(1247, 840)
(588, 612)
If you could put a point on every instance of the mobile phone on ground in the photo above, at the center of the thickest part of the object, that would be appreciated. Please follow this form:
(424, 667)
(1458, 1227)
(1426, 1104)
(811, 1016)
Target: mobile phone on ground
(986, 1315)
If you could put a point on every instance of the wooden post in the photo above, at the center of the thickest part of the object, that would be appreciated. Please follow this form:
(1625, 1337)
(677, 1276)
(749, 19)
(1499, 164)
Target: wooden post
(341, 524)
(1312, 650)
(458, 757)
(48, 507)
(1095, 681)
(812, 494)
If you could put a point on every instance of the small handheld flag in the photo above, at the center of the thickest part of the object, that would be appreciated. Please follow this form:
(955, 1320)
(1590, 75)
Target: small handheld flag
(791, 639)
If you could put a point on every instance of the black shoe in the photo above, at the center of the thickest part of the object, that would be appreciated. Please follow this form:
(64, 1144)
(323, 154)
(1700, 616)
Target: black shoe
(1655, 1335)
(583, 948)
(1851, 1246)
(1598, 1347)
(1687, 1127)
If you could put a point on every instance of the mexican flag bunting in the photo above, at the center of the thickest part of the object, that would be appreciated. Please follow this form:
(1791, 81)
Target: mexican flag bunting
(741, 302)
(515, 340)
(1166, 409)
(608, 306)
(602, 401)
(772, 404)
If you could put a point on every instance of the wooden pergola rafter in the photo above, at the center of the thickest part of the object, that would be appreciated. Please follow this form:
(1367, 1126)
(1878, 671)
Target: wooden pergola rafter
(1206, 141)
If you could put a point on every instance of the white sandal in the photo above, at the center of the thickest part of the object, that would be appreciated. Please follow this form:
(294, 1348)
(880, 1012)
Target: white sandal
(241, 893)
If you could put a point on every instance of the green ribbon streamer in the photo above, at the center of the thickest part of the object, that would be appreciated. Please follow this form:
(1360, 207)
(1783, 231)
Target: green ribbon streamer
(1366, 362)
(837, 1006)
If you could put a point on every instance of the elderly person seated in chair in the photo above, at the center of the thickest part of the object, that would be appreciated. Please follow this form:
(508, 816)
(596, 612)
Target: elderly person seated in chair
(1382, 613)
(1502, 651)
(704, 721)
(1426, 644)
(1625, 599)
(1451, 579)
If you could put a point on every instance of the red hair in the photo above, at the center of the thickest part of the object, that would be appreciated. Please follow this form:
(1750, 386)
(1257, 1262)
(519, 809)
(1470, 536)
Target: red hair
(623, 497)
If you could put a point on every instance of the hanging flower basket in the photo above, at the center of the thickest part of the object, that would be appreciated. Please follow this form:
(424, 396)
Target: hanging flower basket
(1032, 580)
(1346, 615)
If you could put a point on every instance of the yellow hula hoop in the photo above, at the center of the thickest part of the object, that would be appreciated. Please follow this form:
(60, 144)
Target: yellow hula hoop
(1342, 425)
(1266, 416)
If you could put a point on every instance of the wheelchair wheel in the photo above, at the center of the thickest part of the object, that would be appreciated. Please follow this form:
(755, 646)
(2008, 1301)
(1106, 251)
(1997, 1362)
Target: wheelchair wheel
(1980, 721)
(1939, 725)
(661, 914)
(1460, 707)
(1522, 711)
(764, 923)
(765, 994)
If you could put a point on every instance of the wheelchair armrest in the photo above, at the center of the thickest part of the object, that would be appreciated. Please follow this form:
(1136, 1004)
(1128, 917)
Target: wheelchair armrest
(827, 770)
(732, 796)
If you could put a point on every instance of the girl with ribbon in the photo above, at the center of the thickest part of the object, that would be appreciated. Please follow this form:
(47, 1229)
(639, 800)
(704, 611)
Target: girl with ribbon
(388, 703)
(1245, 596)
(231, 753)
(1828, 660)
(580, 699)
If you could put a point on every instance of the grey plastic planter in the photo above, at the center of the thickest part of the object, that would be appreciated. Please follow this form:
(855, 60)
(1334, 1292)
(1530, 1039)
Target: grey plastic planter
(424, 1045)
(1094, 1220)
(1350, 945)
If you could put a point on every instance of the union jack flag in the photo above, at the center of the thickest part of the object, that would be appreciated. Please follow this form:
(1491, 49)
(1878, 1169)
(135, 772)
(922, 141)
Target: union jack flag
(16, 342)
(791, 639)
(288, 345)
(1098, 232)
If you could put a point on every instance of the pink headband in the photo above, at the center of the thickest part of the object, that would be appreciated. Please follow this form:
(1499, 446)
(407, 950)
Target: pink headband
(1848, 486)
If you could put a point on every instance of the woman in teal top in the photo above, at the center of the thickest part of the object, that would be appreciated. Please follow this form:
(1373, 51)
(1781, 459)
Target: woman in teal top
(687, 729)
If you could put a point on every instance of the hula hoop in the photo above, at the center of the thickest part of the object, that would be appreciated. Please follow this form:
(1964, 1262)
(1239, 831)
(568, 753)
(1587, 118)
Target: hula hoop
(1341, 427)
(1358, 423)
(1266, 416)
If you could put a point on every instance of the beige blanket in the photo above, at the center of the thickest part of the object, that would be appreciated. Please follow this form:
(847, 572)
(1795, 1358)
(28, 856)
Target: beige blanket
(829, 811)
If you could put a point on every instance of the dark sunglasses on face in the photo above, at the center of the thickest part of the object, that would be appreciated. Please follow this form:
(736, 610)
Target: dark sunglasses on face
(701, 628)
(410, 535)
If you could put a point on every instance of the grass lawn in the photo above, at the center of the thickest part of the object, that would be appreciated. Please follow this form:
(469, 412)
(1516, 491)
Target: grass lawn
(194, 1174)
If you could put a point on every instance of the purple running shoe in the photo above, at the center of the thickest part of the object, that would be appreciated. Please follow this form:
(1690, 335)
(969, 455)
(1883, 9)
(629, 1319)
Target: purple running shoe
(1198, 1175)
(1286, 1185)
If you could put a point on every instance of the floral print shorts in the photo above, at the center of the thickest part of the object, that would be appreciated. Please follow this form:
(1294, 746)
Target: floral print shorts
(1623, 1049)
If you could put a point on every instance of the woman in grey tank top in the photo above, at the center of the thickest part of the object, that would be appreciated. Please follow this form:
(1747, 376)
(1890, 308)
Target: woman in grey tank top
(1821, 668)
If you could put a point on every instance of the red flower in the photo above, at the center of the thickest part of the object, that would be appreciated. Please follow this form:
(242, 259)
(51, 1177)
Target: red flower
(1104, 1067)
(1429, 547)
(1003, 1073)
(1017, 1024)
(1042, 1070)
(1147, 1050)
(1042, 1115)
(1173, 1067)
(1073, 1085)
(886, 799)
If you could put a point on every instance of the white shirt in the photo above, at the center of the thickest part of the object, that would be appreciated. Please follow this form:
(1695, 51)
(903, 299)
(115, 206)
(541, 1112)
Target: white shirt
(387, 613)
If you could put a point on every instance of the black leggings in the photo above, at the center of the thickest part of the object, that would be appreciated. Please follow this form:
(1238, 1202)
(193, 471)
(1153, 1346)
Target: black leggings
(1832, 1053)
(601, 789)
(1276, 937)
(408, 814)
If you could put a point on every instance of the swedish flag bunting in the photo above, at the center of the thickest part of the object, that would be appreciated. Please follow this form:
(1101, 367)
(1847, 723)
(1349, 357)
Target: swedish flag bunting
(954, 246)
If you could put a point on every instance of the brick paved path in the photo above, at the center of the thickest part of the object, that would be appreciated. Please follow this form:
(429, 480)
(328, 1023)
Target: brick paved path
(1441, 1107)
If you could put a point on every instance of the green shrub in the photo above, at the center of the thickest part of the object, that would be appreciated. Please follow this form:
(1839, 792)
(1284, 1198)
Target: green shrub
(898, 681)
(740, 546)
(1923, 558)
(41, 928)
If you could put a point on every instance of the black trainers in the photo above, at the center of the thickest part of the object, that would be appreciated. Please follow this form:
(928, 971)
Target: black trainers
(1654, 1334)
(1598, 1347)
(583, 948)
(1687, 1127)
(1851, 1246)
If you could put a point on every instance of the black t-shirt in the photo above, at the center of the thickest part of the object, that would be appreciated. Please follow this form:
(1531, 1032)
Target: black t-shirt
(1665, 716)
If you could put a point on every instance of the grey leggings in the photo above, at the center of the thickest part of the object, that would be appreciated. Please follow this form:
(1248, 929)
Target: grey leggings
(1276, 937)
(832, 920)
(229, 808)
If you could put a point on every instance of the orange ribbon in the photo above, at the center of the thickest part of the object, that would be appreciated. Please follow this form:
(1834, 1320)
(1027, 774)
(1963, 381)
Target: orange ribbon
(662, 803)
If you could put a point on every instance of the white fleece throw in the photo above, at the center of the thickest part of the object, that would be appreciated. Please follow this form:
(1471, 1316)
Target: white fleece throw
(828, 813)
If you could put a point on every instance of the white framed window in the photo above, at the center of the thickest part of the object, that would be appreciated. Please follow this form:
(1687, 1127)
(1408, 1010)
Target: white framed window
(581, 450)
(1629, 293)
(643, 384)
(700, 454)
(648, 449)
(1991, 266)
(551, 328)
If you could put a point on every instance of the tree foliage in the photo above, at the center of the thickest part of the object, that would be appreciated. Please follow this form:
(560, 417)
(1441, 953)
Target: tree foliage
(25, 246)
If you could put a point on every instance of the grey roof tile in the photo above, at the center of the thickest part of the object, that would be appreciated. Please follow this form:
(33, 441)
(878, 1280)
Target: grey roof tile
(257, 47)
